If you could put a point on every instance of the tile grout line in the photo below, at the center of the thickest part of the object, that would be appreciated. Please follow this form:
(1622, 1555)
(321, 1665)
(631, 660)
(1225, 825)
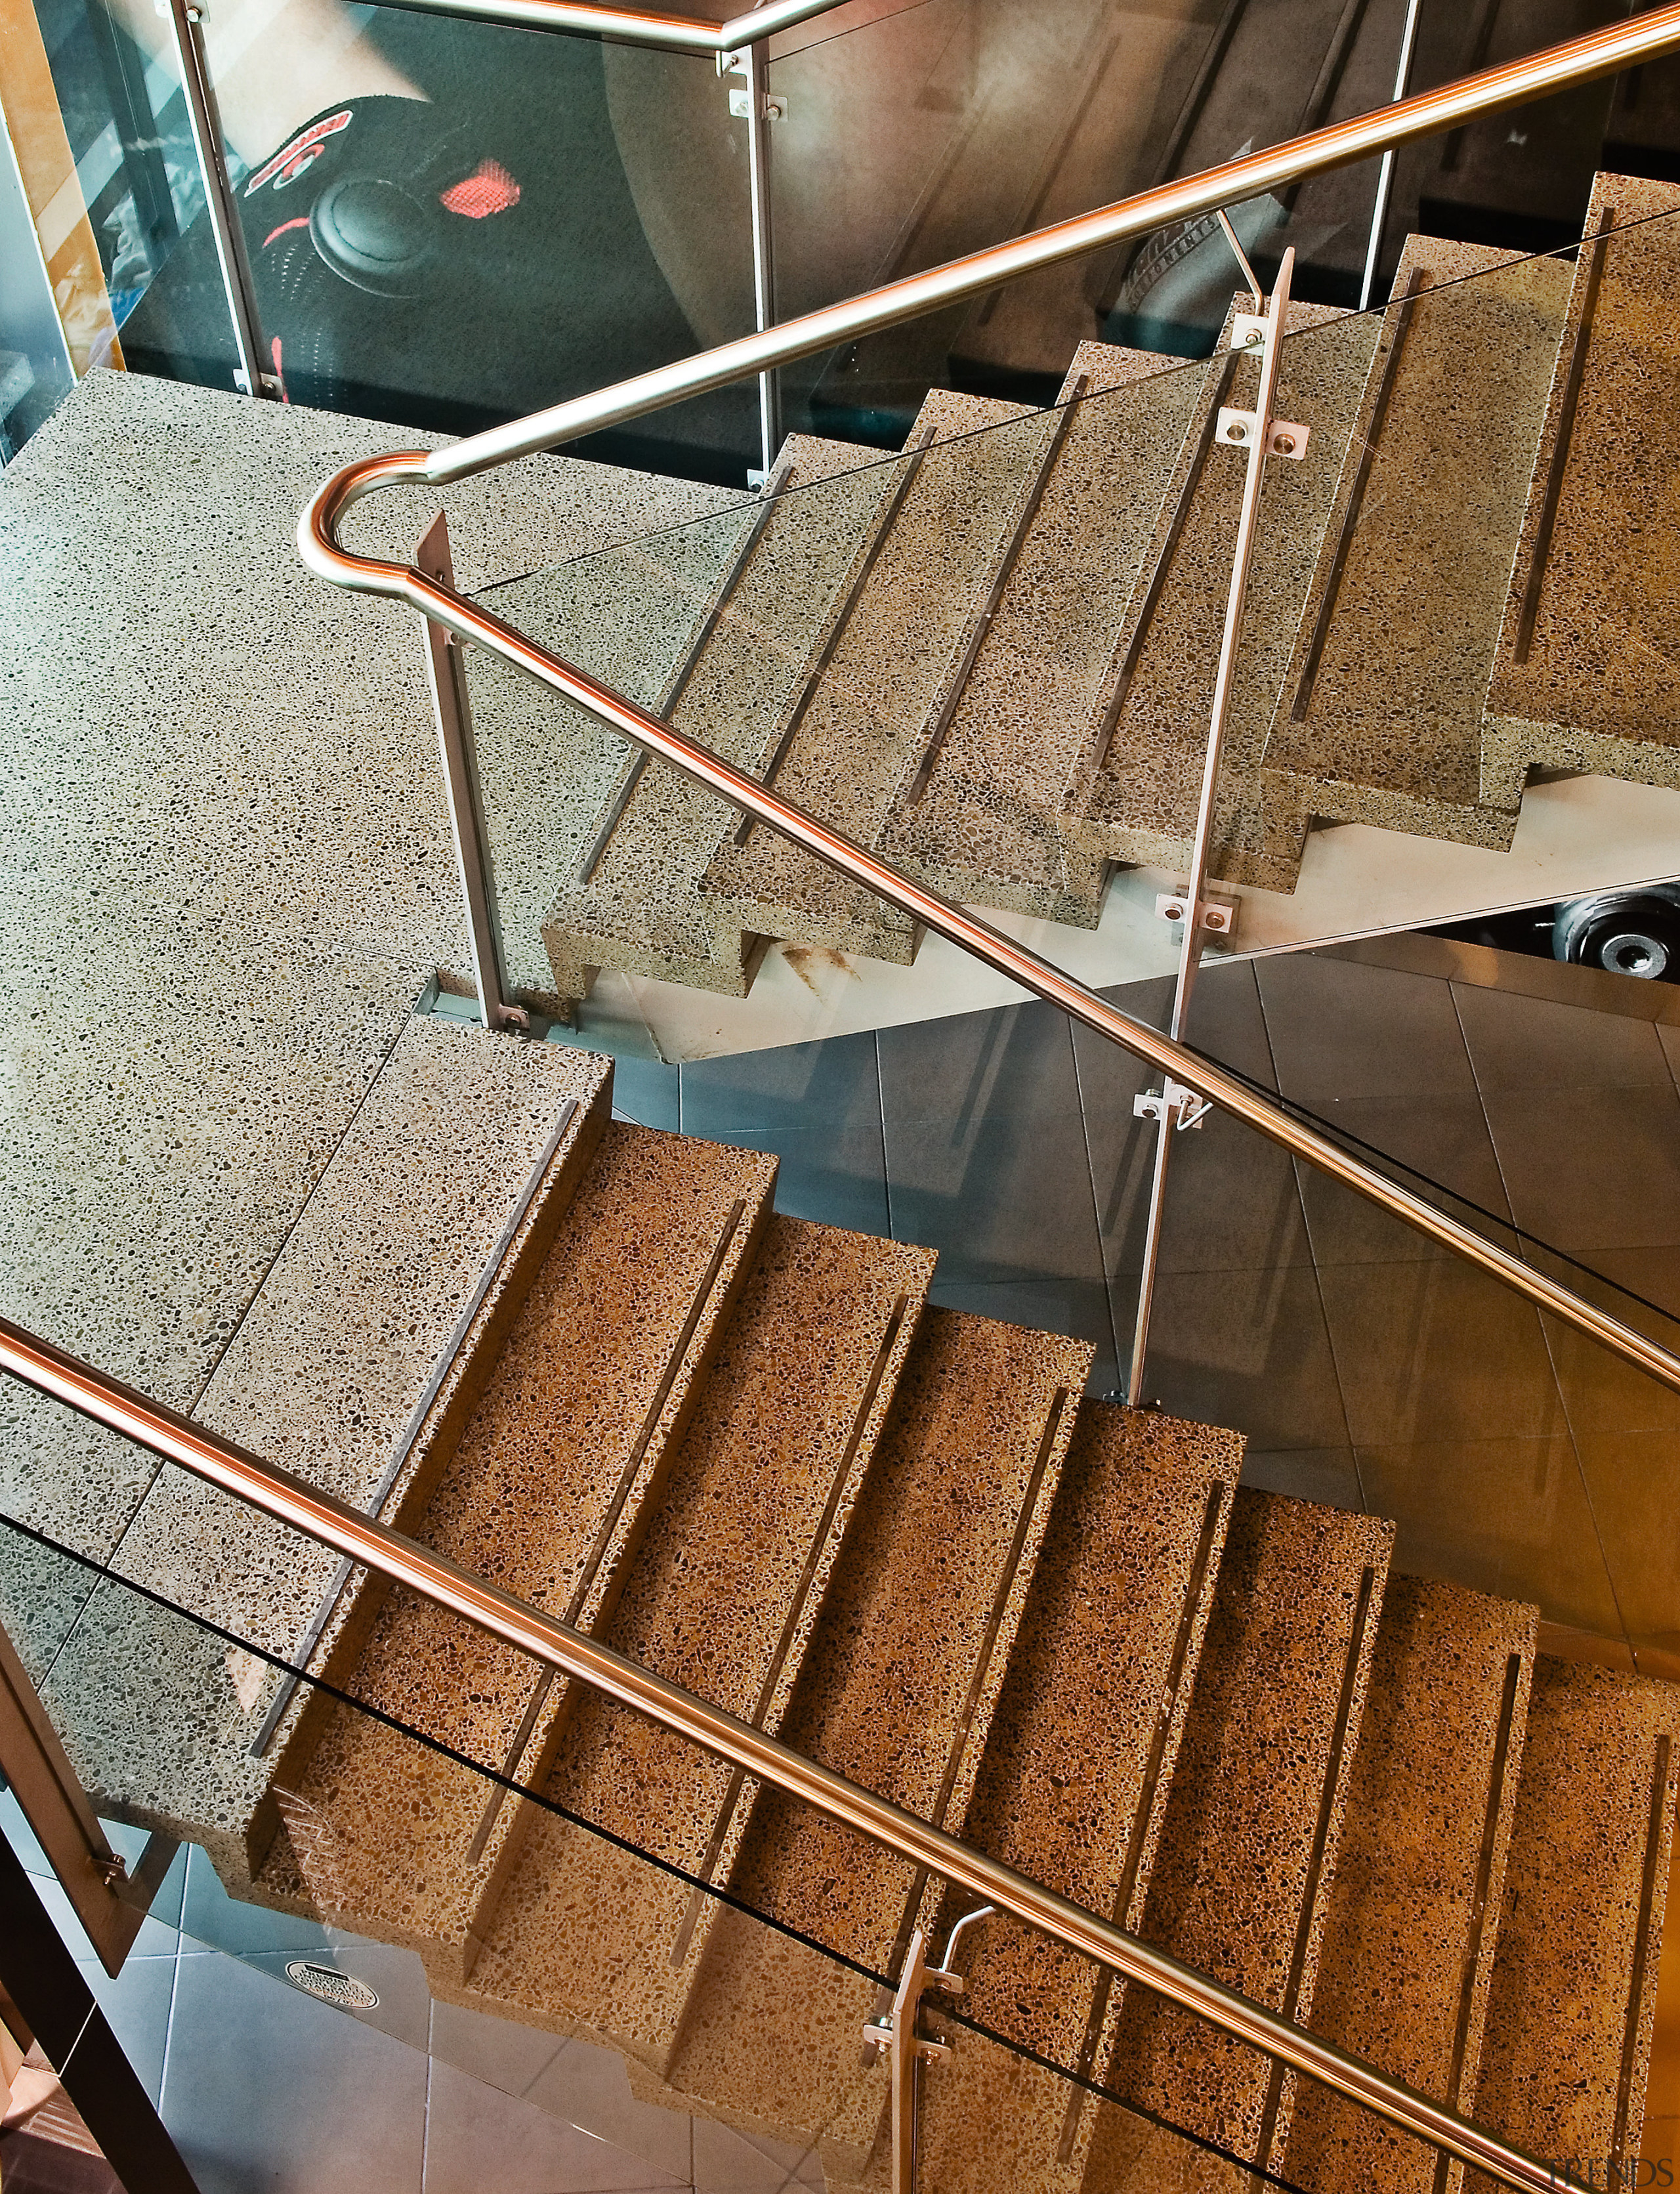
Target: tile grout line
(1121, 1370)
(886, 1167)
(1546, 1341)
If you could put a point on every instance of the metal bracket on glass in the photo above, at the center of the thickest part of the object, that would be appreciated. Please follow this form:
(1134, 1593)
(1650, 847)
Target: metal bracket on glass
(1181, 1106)
(772, 106)
(1288, 437)
(1248, 331)
(895, 2038)
(1218, 915)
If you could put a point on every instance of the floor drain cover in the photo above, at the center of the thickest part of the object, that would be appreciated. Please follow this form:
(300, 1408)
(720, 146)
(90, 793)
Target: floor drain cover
(332, 1985)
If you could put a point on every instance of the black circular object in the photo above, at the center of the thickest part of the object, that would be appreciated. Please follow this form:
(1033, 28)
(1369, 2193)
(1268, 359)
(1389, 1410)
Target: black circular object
(376, 234)
(1623, 933)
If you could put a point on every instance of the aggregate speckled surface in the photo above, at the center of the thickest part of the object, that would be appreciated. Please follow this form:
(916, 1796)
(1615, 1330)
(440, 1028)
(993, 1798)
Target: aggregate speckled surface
(1408, 1945)
(1140, 805)
(1600, 689)
(1078, 1762)
(1568, 1928)
(1391, 732)
(989, 825)
(523, 1501)
(867, 725)
(898, 1688)
(802, 1382)
(322, 1375)
(642, 909)
(1260, 1782)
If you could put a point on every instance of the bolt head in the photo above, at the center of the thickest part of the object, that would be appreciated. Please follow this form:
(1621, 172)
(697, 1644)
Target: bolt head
(1236, 431)
(1173, 913)
(1284, 445)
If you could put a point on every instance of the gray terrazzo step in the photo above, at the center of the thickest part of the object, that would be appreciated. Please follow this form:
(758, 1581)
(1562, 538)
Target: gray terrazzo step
(1241, 1883)
(548, 1495)
(639, 909)
(752, 1515)
(1380, 719)
(865, 728)
(1414, 1908)
(1073, 1786)
(322, 1375)
(900, 1684)
(1585, 674)
(1136, 790)
(1570, 2010)
(989, 824)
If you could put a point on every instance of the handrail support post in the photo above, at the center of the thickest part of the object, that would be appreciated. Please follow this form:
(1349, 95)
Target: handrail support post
(754, 63)
(1170, 1116)
(454, 719)
(187, 20)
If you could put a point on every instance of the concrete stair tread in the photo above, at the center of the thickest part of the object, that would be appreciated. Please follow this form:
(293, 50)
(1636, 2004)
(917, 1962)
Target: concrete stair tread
(599, 1373)
(899, 1690)
(866, 726)
(989, 822)
(1598, 689)
(1139, 799)
(1247, 1852)
(1379, 717)
(639, 908)
(1073, 1784)
(1581, 1921)
(765, 1478)
(1414, 1918)
(324, 1375)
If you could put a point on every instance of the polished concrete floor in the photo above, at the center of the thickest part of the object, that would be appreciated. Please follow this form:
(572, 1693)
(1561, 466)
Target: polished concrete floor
(1366, 1369)
(265, 2087)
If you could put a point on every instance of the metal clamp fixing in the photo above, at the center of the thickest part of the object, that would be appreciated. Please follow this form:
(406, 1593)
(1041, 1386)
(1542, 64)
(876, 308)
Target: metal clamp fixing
(1285, 437)
(1174, 1100)
(1218, 915)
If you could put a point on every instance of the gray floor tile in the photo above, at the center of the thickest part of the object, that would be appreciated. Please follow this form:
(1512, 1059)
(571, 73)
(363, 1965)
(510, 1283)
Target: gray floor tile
(985, 1152)
(794, 1085)
(395, 1976)
(265, 2087)
(1437, 1351)
(1669, 1037)
(1518, 1043)
(728, 2163)
(500, 2052)
(648, 1092)
(1633, 1484)
(137, 2005)
(477, 2137)
(1505, 1516)
(1079, 1308)
(835, 1174)
(590, 2088)
(212, 1917)
(1327, 1475)
(1247, 1349)
(1602, 1393)
(1446, 1139)
(1588, 1173)
(1342, 1030)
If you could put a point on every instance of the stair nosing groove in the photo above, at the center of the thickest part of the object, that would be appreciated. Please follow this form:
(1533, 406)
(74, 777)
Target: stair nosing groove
(960, 1735)
(1534, 580)
(1484, 1872)
(915, 453)
(1359, 1638)
(731, 1797)
(1642, 1952)
(1196, 1589)
(1417, 283)
(403, 1447)
(615, 1509)
(1156, 586)
(980, 623)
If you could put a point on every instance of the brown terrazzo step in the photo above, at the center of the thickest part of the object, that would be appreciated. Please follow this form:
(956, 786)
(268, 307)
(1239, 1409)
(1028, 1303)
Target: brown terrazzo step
(1379, 718)
(1136, 791)
(550, 1485)
(1072, 1785)
(1247, 1852)
(1408, 1946)
(721, 1597)
(899, 1690)
(1587, 676)
(865, 729)
(1569, 2014)
(639, 909)
(989, 825)
(324, 1373)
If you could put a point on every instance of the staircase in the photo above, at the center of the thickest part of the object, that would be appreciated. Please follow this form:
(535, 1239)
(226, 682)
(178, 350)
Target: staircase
(746, 1450)
(991, 658)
